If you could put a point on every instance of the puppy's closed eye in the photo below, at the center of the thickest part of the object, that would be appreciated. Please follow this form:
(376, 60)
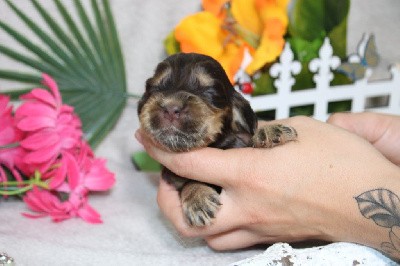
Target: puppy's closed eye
(190, 103)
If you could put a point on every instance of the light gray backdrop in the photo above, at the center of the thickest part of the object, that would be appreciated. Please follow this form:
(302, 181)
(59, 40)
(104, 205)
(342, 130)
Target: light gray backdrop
(134, 232)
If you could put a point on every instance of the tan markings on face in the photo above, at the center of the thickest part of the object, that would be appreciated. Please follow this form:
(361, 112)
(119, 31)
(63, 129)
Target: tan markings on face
(201, 75)
(169, 101)
(210, 121)
(148, 110)
(206, 122)
(162, 76)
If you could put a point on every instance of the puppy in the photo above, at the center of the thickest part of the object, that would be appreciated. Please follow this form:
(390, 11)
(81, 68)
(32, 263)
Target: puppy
(190, 103)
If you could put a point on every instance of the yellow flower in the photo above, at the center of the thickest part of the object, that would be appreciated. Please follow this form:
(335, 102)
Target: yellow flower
(200, 33)
(203, 33)
(273, 17)
(246, 15)
(270, 47)
(226, 28)
(214, 6)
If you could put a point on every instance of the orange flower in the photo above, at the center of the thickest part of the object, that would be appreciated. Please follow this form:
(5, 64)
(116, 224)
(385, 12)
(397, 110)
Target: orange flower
(200, 33)
(226, 28)
(203, 33)
(270, 47)
(214, 6)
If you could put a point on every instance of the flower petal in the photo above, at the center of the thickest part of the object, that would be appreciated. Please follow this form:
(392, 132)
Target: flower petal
(35, 109)
(214, 6)
(273, 9)
(4, 101)
(99, 178)
(90, 215)
(59, 176)
(52, 85)
(35, 216)
(43, 155)
(270, 48)
(231, 59)
(40, 200)
(246, 14)
(73, 173)
(40, 140)
(33, 123)
(40, 95)
(200, 33)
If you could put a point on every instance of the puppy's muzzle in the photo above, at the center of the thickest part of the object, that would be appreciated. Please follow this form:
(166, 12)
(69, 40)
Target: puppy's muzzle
(180, 121)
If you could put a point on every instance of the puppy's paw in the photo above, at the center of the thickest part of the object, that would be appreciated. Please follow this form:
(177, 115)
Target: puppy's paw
(273, 135)
(200, 203)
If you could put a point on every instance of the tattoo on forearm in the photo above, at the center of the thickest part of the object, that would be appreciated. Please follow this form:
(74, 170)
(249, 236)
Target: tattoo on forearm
(383, 207)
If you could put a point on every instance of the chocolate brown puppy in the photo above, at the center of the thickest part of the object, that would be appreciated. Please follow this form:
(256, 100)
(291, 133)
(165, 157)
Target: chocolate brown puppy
(190, 103)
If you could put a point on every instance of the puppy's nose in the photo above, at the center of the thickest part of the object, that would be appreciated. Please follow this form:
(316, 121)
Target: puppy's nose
(172, 112)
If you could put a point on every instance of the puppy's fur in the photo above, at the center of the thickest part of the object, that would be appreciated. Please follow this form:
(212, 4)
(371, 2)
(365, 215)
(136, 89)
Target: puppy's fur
(190, 103)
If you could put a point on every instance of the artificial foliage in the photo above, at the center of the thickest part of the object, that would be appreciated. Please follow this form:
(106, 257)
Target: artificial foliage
(262, 27)
(70, 96)
(83, 55)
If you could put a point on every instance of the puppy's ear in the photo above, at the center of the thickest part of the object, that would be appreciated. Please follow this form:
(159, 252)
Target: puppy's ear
(244, 120)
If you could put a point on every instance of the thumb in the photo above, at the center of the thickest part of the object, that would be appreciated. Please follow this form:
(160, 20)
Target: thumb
(209, 165)
(370, 126)
(380, 130)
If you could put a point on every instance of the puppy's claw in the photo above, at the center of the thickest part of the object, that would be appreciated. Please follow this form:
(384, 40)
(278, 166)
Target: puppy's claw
(200, 204)
(273, 135)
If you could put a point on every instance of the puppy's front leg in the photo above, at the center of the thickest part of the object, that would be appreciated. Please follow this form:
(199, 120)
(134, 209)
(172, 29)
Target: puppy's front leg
(200, 203)
(273, 135)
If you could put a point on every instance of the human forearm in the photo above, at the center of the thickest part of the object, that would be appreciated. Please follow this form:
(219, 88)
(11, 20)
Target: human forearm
(377, 220)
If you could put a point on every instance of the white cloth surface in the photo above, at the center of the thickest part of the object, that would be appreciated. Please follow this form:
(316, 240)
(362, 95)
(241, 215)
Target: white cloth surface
(134, 232)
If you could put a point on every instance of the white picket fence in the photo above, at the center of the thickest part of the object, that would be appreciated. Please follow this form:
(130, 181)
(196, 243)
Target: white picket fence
(359, 93)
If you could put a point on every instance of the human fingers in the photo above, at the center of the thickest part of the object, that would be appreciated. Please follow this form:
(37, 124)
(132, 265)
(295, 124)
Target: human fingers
(227, 218)
(380, 130)
(170, 205)
(208, 165)
(235, 239)
(370, 126)
(242, 238)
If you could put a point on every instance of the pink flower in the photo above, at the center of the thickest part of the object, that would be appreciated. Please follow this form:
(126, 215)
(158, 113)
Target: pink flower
(60, 166)
(51, 127)
(81, 169)
(9, 134)
(46, 203)
(79, 173)
(93, 173)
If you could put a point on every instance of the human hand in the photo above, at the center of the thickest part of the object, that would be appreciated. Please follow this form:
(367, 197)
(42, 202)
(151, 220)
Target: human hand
(381, 130)
(301, 190)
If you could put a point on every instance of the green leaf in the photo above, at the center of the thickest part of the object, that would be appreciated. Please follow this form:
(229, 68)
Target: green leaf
(143, 162)
(305, 50)
(264, 84)
(19, 76)
(82, 53)
(304, 80)
(338, 37)
(171, 45)
(308, 18)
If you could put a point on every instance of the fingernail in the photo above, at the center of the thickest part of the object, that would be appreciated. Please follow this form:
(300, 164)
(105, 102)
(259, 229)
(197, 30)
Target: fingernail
(138, 136)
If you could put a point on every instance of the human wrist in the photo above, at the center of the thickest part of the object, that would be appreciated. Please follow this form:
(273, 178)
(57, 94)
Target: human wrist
(371, 216)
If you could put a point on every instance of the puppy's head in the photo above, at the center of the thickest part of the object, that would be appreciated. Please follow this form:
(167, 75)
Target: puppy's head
(187, 103)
